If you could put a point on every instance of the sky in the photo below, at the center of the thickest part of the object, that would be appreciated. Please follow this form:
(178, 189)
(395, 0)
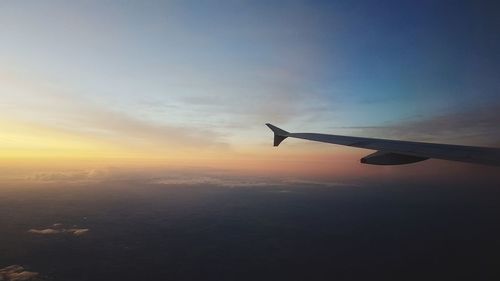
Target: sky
(90, 86)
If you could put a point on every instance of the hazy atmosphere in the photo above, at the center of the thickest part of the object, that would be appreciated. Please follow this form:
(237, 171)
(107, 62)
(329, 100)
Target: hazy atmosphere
(133, 144)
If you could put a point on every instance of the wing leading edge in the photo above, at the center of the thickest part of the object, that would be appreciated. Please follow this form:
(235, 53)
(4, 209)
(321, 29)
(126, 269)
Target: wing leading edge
(396, 152)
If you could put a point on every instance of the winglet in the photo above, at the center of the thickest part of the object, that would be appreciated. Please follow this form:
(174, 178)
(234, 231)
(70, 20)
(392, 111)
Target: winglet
(279, 134)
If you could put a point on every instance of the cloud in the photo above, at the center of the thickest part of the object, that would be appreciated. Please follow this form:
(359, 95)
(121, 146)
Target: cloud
(90, 175)
(215, 180)
(16, 273)
(44, 231)
(478, 125)
(58, 228)
(77, 231)
(168, 175)
(244, 181)
(52, 107)
(300, 182)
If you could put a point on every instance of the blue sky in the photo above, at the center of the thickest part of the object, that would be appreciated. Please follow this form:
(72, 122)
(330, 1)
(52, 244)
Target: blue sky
(217, 70)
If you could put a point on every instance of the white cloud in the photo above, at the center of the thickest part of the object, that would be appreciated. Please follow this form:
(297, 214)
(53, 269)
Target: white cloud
(58, 228)
(77, 231)
(44, 231)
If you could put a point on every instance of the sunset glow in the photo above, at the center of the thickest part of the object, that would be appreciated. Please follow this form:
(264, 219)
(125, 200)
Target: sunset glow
(162, 85)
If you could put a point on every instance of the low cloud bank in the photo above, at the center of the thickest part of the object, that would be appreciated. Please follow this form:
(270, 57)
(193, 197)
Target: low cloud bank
(242, 181)
(170, 177)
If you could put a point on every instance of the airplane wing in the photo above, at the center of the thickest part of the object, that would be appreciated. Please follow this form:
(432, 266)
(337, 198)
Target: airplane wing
(396, 152)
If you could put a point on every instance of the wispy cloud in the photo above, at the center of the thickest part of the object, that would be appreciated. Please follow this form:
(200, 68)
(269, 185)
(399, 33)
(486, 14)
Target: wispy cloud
(477, 125)
(232, 181)
(48, 106)
(301, 182)
(217, 181)
(70, 175)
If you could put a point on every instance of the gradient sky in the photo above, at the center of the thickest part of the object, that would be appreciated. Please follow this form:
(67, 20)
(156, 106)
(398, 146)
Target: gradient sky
(191, 83)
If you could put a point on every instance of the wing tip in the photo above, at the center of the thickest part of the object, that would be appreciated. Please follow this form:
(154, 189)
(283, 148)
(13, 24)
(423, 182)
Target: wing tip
(279, 134)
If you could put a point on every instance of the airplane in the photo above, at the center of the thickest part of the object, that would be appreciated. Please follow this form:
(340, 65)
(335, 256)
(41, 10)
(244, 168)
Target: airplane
(397, 152)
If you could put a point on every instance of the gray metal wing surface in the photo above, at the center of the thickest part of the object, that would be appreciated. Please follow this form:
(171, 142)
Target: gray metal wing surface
(397, 152)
